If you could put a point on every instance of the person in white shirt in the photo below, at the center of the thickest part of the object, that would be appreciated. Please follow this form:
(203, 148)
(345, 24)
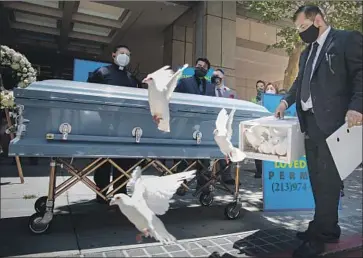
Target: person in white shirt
(223, 91)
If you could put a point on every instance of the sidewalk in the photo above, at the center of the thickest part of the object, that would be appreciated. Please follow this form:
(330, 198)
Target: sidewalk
(84, 229)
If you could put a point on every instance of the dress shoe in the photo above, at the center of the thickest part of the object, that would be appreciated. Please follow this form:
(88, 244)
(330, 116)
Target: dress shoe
(304, 236)
(309, 249)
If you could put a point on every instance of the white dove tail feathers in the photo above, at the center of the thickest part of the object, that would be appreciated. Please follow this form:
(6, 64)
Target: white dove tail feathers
(159, 232)
(237, 155)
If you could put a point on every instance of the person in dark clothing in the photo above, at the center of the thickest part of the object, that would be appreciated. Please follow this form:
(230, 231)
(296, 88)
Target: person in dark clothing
(328, 93)
(260, 87)
(197, 84)
(114, 74)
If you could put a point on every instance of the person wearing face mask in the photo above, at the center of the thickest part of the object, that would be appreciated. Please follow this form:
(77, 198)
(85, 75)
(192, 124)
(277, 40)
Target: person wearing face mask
(328, 93)
(222, 91)
(115, 74)
(271, 88)
(260, 87)
(197, 84)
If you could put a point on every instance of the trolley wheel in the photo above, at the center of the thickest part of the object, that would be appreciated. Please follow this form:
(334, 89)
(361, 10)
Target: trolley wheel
(206, 198)
(35, 225)
(40, 204)
(232, 211)
(181, 191)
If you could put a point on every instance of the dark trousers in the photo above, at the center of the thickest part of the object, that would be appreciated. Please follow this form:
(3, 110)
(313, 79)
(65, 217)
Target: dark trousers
(325, 182)
(258, 164)
(102, 174)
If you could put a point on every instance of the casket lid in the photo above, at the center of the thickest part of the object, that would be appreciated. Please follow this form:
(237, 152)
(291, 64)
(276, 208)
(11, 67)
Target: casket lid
(102, 94)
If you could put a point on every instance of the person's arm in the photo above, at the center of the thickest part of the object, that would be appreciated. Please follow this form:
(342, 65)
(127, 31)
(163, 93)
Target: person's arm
(354, 64)
(96, 76)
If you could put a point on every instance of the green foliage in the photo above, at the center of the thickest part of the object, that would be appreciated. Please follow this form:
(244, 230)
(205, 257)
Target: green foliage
(339, 14)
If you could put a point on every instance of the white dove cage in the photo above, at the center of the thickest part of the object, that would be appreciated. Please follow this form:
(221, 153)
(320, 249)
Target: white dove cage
(272, 139)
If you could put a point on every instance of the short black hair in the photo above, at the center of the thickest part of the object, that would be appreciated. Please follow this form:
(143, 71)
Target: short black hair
(120, 46)
(310, 11)
(203, 59)
(260, 81)
(220, 70)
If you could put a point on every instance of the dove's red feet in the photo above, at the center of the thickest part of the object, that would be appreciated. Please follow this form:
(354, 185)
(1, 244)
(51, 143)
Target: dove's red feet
(156, 119)
(227, 159)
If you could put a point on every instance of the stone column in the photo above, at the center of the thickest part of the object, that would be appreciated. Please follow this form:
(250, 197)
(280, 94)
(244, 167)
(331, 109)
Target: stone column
(215, 36)
(178, 45)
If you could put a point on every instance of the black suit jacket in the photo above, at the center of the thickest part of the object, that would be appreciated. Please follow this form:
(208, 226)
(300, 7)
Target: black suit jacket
(335, 87)
(190, 85)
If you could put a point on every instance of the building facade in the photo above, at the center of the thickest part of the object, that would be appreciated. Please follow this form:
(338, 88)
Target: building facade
(51, 34)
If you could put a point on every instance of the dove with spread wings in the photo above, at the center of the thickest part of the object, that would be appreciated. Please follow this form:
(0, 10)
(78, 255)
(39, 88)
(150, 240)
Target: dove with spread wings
(223, 134)
(161, 85)
(150, 197)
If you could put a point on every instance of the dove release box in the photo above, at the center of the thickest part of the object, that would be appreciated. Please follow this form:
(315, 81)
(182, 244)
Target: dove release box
(272, 139)
(60, 118)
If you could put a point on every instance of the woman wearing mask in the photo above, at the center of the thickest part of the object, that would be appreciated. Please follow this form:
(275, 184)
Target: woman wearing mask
(271, 88)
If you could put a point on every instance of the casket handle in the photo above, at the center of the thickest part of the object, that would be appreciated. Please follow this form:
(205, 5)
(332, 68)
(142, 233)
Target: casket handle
(197, 135)
(137, 133)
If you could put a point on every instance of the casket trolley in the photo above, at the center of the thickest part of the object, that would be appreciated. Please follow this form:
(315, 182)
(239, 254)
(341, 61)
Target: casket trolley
(64, 119)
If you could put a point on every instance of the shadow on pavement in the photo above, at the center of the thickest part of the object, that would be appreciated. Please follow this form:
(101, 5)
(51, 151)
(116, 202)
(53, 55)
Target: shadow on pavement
(90, 225)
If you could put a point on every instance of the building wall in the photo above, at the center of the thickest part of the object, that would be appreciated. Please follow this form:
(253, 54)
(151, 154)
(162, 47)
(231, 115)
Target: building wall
(253, 62)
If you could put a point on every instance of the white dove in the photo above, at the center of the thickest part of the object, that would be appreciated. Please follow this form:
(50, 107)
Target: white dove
(281, 147)
(161, 85)
(266, 147)
(150, 197)
(223, 135)
(255, 135)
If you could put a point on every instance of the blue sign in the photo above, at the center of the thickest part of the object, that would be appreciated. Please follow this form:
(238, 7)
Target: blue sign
(271, 101)
(189, 72)
(83, 68)
(285, 186)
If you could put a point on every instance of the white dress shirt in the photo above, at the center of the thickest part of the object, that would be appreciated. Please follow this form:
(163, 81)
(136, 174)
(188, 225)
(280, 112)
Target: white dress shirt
(309, 103)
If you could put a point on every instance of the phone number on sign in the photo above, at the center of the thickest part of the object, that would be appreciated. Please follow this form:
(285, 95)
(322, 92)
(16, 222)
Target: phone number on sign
(289, 187)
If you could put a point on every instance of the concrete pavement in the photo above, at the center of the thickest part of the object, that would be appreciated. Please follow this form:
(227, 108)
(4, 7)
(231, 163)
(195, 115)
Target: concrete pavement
(83, 228)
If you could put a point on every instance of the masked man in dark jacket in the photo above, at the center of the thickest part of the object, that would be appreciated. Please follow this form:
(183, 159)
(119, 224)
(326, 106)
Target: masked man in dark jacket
(114, 74)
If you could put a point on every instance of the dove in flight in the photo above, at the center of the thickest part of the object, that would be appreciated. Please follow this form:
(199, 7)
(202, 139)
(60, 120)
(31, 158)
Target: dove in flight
(223, 135)
(161, 85)
(150, 197)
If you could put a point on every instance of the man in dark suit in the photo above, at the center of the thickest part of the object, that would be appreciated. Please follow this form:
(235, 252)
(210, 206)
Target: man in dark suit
(197, 84)
(328, 93)
(118, 75)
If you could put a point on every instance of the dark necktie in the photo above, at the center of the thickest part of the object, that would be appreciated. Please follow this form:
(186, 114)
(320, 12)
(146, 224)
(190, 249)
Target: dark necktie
(219, 92)
(305, 85)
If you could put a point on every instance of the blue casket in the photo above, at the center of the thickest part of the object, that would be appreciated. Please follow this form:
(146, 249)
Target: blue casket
(74, 119)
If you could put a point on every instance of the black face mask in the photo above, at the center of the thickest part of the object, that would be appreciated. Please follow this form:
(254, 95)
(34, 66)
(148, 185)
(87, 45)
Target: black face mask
(200, 72)
(216, 80)
(310, 35)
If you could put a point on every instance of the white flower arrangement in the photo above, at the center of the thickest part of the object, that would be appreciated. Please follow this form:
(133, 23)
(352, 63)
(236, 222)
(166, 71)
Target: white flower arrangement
(7, 99)
(25, 73)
